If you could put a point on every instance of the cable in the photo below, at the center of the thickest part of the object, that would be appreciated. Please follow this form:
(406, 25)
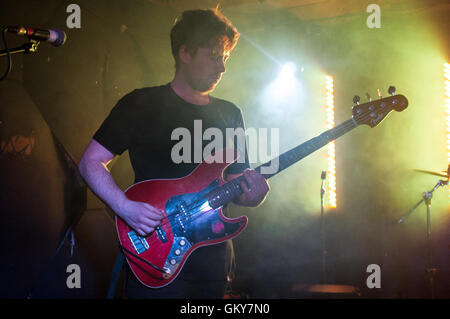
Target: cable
(142, 259)
(8, 68)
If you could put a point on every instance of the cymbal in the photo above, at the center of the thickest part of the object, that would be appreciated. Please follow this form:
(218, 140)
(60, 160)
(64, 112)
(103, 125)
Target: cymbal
(442, 173)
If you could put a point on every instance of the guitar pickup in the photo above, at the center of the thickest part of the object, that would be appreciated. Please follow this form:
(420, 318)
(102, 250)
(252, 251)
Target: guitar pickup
(139, 243)
(161, 234)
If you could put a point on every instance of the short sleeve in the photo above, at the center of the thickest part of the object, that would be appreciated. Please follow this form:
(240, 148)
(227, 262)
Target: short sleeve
(116, 131)
(240, 144)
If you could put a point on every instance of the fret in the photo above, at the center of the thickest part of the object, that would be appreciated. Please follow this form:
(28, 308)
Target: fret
(225, 193)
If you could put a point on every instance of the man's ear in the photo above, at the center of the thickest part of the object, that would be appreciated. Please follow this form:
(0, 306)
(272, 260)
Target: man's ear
(184, 54)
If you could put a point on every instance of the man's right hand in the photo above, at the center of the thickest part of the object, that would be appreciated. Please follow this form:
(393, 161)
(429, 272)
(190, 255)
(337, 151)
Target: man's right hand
(142, 217)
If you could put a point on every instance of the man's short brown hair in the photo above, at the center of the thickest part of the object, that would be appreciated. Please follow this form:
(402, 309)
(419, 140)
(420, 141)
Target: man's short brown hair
(201, 29)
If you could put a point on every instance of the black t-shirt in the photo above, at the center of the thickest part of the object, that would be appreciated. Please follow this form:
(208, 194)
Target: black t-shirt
(144, 121)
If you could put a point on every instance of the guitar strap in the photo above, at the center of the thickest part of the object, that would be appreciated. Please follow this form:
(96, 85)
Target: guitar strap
(117, 270)
(118, 267)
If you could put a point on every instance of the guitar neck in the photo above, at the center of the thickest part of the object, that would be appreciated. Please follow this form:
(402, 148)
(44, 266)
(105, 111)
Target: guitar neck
(227, 192)
(301, 151)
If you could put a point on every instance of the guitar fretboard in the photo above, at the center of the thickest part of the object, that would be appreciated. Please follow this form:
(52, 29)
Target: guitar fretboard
(301, 151)
(227, 192)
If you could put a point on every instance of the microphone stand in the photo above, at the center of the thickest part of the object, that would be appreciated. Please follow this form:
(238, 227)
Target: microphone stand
(426, 197)
(322, 227)
(28, 47)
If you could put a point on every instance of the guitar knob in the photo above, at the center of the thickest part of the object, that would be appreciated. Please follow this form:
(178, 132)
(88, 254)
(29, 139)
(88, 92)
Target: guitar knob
(368, 97)
(182, 242)
(356, 99)
(391, 90)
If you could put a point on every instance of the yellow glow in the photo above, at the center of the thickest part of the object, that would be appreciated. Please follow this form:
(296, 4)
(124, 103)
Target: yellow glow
(331, 146)
(447, 107)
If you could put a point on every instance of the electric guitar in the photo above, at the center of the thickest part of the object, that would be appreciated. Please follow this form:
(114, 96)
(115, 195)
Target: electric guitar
(193, 204)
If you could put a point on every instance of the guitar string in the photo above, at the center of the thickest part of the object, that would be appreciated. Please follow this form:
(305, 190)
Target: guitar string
(150, 243)
(349, 124)
(343, 127)
(151, 237)
(339, 129)
(199, 203)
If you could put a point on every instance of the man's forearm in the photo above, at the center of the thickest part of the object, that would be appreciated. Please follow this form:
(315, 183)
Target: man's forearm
(101, 183)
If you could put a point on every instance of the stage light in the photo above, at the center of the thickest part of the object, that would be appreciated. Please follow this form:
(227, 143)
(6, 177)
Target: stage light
(288, 70)
(285, 84)
(332, 200)
(284, 95)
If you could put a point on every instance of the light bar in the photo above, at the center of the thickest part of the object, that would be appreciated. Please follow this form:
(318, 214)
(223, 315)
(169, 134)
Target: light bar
(331, 146)
(447, 107)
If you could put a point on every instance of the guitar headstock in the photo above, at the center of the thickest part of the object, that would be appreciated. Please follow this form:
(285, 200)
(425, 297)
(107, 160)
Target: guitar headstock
(373, 112)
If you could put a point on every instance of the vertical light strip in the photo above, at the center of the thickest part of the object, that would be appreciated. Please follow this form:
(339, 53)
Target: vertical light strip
(447, 107)
(331, 146)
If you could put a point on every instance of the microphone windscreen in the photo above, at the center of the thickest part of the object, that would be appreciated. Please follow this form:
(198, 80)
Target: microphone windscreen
(57, 37)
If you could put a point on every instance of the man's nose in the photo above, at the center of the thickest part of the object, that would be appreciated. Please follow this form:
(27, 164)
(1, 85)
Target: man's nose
(221, 65)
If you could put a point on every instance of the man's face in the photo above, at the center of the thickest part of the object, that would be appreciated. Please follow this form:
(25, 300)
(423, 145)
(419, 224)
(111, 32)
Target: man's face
(204, 68)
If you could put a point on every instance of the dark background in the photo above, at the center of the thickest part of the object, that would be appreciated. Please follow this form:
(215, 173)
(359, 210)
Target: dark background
(55, 99)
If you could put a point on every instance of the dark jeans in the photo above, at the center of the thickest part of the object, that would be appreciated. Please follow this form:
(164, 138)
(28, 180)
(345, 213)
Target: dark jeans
(178, 289)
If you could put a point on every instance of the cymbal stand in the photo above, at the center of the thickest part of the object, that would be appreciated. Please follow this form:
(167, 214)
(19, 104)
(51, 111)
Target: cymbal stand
(426, 197)
(322, 227)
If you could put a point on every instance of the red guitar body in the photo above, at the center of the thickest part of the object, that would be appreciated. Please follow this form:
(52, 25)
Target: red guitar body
(190, 223)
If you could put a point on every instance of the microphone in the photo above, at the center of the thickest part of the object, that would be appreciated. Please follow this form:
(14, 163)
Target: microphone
(323, 176)
(55, 36)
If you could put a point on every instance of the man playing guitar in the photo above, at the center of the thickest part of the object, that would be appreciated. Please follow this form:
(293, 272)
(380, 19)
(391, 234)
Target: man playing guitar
(143, 121)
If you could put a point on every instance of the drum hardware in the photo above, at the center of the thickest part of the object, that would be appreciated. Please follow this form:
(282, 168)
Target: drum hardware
(426, 197)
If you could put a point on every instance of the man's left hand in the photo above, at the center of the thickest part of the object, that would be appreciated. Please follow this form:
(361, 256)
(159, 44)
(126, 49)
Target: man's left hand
(254, 187)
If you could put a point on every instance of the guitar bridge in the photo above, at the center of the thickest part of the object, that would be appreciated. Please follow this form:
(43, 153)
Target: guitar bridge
(139, 243)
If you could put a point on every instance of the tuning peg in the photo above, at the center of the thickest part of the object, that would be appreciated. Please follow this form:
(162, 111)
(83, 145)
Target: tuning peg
(379, 93)
(368, 97)
(356, 99)
(391, 90)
